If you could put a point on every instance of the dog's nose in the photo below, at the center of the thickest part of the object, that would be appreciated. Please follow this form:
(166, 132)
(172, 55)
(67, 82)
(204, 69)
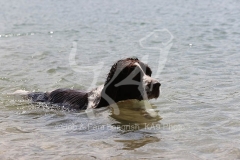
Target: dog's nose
(156, 85)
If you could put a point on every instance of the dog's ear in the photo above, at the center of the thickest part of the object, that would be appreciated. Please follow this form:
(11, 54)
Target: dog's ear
(109, 91)
(112, 92)
(117, 69)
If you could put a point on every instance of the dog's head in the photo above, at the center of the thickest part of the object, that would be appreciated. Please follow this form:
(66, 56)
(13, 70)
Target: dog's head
(129, 79)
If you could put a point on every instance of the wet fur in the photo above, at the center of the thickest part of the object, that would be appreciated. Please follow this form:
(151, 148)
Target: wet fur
(107, 94)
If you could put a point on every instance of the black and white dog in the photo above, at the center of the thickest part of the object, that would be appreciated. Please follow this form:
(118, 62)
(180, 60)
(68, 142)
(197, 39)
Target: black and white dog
(128, 79)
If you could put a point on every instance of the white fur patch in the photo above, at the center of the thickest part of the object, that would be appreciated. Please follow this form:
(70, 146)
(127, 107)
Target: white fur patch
(20, 92)
(94, 97)
(146, 80)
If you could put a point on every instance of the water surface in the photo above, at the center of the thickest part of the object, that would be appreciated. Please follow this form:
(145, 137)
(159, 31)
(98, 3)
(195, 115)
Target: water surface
(199, 103)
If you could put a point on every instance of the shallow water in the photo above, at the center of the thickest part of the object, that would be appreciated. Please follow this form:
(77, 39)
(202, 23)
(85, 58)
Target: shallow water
(191, 46)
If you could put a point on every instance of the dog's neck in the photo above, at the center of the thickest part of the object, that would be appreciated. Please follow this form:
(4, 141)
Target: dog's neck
(110, 95)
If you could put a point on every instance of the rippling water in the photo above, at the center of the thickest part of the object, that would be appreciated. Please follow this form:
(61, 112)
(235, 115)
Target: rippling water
(199, 105)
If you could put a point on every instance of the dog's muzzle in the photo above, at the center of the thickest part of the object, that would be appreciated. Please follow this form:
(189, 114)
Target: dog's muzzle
(153, 89)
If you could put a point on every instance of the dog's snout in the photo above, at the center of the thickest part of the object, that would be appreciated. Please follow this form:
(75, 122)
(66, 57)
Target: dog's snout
(153, 86)
(156, 85)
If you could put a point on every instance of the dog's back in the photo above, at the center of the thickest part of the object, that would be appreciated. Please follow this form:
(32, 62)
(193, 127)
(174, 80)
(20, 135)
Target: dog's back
(68, 98)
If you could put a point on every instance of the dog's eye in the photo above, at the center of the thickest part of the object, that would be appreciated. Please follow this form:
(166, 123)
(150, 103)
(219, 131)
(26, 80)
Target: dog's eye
(148, 72)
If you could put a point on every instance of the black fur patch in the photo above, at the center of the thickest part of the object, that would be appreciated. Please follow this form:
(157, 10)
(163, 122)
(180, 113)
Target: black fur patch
(68, 98)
